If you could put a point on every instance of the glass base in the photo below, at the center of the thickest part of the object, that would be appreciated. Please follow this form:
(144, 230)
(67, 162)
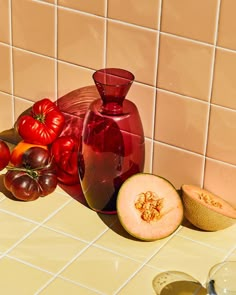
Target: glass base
(105, 212)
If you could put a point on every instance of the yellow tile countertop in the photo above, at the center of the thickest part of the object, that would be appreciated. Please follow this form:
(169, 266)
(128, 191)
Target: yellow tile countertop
(57, 245)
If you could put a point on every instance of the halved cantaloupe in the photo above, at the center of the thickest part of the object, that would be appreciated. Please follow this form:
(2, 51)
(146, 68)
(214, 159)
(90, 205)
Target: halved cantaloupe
(206, 210)
(149, 207)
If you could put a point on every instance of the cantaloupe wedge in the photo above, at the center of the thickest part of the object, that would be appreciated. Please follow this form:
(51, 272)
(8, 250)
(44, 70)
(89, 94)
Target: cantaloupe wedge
(206, 210)
(149, 207)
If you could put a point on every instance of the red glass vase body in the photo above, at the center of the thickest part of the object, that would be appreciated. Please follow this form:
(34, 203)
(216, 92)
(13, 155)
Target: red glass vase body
(112, 147)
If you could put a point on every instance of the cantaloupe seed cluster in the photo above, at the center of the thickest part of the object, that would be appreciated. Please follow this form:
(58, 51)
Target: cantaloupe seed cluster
(149, 206)
(209, 200)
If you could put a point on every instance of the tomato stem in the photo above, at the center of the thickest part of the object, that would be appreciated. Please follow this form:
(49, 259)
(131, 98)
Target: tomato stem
(39, 117)
(32, 172)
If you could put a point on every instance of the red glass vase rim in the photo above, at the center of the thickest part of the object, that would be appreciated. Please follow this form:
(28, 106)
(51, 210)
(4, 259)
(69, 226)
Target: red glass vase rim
(125, 76)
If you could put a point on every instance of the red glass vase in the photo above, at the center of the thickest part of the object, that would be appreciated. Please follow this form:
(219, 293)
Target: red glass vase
(112, 147)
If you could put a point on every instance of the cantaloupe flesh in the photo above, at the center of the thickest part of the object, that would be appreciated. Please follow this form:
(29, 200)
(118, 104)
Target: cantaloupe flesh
(129, 216)
(203, 215)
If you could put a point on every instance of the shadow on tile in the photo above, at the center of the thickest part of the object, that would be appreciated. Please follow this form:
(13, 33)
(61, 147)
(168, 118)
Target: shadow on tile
(75, 191)
(189, 225)
(116, 226)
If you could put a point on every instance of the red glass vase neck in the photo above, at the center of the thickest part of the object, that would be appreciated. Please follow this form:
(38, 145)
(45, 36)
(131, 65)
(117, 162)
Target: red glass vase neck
(113, 85)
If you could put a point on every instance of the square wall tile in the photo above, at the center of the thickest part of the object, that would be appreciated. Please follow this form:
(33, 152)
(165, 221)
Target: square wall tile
(90, 6)
(137, 12)
(182, 18)
(34, 75)
(178, 119)
(33, 25)
(47, 249)
(227, 24)
(20, 105)
(71, 77)
(5, 69)
(224, 90)
(220, 180)
(177, 165)
(100, 270)
(143, 96)
(127, 48)
(17, 276)
(221, 136)
(6, 111)
(5, 21)
(182, 254)
(81, 38)
(185, 67)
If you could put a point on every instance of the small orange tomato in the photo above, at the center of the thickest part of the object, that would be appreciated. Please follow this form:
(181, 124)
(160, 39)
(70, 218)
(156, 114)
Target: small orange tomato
(19, 149)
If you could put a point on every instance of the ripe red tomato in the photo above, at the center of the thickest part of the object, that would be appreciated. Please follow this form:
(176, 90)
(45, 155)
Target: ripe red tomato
(43, 125)
(65, 152)
(5, 154)
(34, 178)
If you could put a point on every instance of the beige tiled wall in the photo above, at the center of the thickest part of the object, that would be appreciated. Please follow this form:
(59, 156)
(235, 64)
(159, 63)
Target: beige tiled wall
(182, 53)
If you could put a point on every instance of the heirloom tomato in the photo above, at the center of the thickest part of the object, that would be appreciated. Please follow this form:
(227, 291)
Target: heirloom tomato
(19, 149)
(35, 177)
(43, 125)
(5, 154)
(65, 152)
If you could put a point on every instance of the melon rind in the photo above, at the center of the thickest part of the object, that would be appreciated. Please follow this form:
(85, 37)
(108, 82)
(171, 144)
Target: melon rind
(171, 214)
(204, 216)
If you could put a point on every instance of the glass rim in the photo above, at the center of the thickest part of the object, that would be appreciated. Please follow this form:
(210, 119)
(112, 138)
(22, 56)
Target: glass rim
(116, 72)
(223, 263)
(218, 266)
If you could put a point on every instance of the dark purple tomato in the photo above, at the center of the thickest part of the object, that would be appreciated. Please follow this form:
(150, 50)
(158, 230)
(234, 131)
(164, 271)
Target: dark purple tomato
(34, 178)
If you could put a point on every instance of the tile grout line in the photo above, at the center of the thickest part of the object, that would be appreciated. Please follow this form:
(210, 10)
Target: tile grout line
(211, 91)
(67, 280)
(140, 83)
(200, 243)
(105, 35)
(57, 274)
(176, 234)
(155, 83)
(56, 48)
(184, 38)
(28, 264)
(38, 225)
(54, 275)
(168, 144)
(41, 224)
(120, 21)
(228, 255)
(144, 263)
(153, 30)
(18, 216)
(137, 82)
(11, 60)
